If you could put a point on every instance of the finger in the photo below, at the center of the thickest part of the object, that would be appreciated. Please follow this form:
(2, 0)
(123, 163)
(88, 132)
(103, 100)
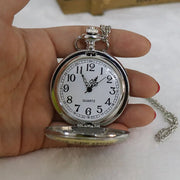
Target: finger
(142, 85)
(118, 126)
(8, 8)
(136, 115)
(122, 43)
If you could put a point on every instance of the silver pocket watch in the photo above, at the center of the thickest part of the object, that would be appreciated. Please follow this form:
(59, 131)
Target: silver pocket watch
(89, 90)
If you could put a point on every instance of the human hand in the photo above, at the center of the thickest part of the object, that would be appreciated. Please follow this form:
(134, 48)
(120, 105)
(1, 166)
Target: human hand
(27, 61)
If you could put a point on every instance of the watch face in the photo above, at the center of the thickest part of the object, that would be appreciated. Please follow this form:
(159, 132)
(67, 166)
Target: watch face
(89, 89)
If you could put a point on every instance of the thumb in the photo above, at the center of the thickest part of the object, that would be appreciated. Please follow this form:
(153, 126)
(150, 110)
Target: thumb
(8, 8)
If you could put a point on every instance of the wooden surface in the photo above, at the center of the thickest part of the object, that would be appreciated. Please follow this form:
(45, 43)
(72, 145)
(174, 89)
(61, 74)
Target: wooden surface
(97, 7)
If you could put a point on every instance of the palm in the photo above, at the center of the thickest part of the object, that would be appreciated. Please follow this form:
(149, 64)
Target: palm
(25, 88)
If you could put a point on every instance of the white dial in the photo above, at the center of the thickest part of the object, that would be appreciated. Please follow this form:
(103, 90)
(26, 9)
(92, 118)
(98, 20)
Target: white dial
(89, 89)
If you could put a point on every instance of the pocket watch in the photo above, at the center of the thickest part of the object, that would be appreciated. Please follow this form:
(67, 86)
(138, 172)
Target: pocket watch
(89, 90)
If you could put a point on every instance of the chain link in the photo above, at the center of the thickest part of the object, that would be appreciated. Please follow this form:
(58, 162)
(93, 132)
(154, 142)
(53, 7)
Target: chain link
(169, 117)
(105, 31)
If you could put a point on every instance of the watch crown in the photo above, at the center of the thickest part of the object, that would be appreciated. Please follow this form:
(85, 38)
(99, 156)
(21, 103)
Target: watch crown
(93, 35)
(92, 30)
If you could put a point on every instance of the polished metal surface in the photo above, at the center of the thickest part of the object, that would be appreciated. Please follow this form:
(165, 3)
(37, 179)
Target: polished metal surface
(86, 135)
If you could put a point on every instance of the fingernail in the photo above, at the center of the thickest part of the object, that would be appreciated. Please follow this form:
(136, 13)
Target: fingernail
(158, 88)
(154, 114)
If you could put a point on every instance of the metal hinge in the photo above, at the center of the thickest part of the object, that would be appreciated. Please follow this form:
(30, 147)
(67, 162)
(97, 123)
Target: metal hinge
(89, 125)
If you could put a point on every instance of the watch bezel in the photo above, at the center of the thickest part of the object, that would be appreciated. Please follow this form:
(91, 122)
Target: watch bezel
(119, 108)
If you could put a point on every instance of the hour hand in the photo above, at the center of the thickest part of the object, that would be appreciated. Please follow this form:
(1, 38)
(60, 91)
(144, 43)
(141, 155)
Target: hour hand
(93, 82)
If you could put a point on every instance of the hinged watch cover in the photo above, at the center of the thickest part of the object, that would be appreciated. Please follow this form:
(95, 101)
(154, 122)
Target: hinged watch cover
(86, 135)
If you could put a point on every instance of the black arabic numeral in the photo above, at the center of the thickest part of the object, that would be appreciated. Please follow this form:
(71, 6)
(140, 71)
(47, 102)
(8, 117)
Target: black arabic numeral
(108, 102)
(109, 79)
(79, 70)
(88, 111)
(99, 109)
(101, 71)
(69, 99)
(78, 106)
(71, 77)
(113, 91)
(90, 67)
(66, 88)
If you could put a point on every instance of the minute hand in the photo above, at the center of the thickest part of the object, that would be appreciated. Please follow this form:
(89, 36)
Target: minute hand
(101, 80)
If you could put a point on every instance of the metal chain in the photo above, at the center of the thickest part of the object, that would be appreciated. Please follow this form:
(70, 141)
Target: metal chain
(105, 31)
(169, 117)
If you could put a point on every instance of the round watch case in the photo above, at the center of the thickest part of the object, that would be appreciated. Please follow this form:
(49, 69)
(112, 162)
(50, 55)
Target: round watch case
(94, 55)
